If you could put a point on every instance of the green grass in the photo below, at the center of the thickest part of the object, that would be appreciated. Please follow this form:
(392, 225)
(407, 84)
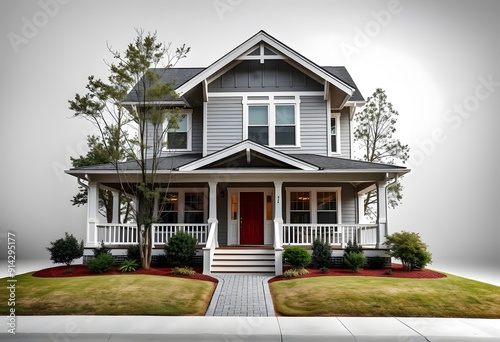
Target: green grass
(109, 295)
(376, 296)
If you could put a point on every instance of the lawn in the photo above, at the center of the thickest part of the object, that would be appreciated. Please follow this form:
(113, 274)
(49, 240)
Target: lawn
(109, 295)
(376, 296)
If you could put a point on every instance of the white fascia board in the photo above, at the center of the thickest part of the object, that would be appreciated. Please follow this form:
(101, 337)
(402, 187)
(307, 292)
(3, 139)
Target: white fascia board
(286, 51)
(171, 103)
(253, 147)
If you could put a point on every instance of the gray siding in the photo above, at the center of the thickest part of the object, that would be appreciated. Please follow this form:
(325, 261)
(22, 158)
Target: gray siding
(313, 125)
(224, 122)
(197, 127)
(348, 198)
(269, 76)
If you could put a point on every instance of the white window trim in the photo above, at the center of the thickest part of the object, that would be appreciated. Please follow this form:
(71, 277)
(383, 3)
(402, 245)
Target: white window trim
(181, 199)
(189, 147)
(337, 116)
(314, 201)
(271, 103)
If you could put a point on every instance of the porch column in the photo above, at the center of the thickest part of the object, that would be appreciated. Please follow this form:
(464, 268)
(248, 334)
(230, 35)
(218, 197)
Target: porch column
(361, 208)
(92, 214)
(381, 212)
(212, 202)
(116, 207)
(278, 223)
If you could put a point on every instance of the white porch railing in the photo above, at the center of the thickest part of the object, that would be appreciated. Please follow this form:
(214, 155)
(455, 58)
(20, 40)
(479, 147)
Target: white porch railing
(117, 234)
(162, 232)
(334, 234)
(126, 234)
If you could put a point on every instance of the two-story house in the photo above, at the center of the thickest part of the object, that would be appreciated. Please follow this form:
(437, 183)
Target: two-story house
(261, 161)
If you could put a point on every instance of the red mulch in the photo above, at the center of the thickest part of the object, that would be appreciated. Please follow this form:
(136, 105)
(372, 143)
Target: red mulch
(82, 270)
(397, 272)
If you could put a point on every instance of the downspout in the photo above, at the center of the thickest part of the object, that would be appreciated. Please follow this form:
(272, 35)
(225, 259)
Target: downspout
(79, 179)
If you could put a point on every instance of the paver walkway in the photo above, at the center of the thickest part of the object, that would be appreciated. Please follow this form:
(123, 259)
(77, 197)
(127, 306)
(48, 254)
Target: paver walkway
(241, 295)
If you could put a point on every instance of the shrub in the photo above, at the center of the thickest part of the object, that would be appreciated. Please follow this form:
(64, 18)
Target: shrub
(133, 253)
(355, 260)
(297, 257)
(388, 272)
(409, 248)
(352, 247)
(322, 254)
(376, 262)
(102, 263)
(324, 270)
(64, 251)
(293, 273)
(183, 271)
(129, 265)
(181, 247)
(101, 250)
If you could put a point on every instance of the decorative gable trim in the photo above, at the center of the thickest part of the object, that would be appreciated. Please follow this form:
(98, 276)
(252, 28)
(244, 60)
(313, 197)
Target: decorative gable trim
(249, 146)
(231, 58)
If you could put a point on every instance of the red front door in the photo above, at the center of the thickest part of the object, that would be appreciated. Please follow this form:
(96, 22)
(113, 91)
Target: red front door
(251, 218)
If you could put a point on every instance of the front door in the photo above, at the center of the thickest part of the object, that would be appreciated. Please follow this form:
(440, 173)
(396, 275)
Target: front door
(251, 218)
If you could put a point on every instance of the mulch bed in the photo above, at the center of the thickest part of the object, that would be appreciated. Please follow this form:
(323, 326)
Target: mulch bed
(397, 272)
(82, 270)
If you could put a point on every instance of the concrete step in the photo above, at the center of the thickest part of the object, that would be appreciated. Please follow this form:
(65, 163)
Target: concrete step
(243, 260)
(242, 269)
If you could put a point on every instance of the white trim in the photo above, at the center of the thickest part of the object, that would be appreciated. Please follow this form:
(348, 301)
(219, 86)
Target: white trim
(261, 93)
(276, 45)
(314, 201)
(205, 129)
(214, 157)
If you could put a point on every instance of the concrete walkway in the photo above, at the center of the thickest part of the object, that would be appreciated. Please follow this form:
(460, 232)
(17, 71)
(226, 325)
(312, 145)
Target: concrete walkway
(241, 295)
(279, 329)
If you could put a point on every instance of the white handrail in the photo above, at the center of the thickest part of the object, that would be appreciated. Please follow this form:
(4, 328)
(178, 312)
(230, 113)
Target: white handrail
(117, 233)
(162, 232)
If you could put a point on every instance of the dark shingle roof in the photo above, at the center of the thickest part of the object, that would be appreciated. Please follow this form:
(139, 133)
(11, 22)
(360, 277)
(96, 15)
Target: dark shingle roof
(335, 163)
(342, 73)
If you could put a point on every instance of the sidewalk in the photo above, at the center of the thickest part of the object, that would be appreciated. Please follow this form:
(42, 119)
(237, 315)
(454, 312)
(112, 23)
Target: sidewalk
(286, 329)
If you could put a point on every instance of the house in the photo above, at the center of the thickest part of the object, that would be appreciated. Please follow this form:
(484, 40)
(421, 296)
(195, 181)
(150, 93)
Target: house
(262, 160)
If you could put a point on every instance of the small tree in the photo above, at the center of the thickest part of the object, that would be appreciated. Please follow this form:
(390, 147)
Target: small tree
(355, 260)
(322, 254)
(65, 250)
(409, 248)
(181, 247)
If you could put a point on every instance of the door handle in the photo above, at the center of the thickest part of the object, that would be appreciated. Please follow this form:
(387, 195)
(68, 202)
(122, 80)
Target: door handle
(241, 222)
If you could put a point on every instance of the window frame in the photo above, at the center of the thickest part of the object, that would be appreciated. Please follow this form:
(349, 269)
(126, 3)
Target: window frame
(271, 101)
(336, 116)
(189, 129)
(313, 202)
(181, 203)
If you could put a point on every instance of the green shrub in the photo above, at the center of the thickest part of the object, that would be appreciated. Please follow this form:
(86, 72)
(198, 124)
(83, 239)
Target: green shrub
(133, 253)
(324, 270)
(102, 263)
(64, 251)
(183, 271)
(292, 273)
(297, 257)
(322, 254)
(376, 262)
(129, 265)
(181, 247)
(352, 247)
(409, 248)
(355, 260)
(101, 250)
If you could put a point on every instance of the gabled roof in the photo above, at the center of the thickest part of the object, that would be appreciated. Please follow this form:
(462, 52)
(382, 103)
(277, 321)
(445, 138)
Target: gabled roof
(248, 147)
(253, 41)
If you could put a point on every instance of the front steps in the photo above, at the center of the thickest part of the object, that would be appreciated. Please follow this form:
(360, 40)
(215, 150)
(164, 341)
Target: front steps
(243, 260)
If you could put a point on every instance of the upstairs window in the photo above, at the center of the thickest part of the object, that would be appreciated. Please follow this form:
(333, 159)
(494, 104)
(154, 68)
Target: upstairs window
(179, 136)
(272, 121)
(334, 133)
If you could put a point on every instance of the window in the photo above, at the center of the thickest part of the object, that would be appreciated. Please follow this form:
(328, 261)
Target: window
(327, 207)
(169, 208)
(300, 208)
(272, 120)
(334, 133)
(179, 137)
(285, 125)
(193, 208)
(313, 205)
(258, 124)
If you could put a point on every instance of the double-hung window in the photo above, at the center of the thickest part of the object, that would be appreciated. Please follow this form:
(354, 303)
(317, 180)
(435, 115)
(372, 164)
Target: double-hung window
(179, 134)
(272, 120)
(334, 133)
(313, 205)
